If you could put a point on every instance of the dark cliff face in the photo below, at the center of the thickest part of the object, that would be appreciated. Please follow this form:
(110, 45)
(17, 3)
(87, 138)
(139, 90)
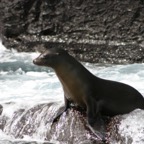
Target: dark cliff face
(93, 30)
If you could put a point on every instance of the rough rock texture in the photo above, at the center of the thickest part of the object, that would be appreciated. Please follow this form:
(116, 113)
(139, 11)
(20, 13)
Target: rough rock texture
(94, 30)
(37, 122)
(72, 127)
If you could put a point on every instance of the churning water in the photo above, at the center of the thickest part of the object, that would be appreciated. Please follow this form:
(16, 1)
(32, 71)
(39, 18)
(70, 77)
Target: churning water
(24, 86)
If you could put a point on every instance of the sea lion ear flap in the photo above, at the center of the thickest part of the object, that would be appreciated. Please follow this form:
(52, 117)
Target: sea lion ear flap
(63, 52)
(57, 53)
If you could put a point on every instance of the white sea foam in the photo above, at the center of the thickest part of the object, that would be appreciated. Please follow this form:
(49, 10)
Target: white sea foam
(132, 127)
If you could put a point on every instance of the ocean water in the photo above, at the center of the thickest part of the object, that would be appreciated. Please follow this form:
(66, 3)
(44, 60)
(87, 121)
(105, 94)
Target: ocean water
(23, 85)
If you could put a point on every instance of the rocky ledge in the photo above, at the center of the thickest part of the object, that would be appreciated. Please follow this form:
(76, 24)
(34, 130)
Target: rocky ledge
(95, 31)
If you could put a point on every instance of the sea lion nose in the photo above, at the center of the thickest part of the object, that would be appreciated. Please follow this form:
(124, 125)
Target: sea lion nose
(35, 61)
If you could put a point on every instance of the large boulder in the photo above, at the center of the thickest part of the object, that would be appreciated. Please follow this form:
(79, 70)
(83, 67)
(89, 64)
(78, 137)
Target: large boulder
(72, 127)
(94, 31)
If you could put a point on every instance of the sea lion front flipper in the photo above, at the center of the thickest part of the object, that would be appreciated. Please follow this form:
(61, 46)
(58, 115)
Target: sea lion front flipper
(67, 105)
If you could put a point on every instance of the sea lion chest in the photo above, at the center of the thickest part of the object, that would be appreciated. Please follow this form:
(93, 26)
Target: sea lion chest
(74, 87)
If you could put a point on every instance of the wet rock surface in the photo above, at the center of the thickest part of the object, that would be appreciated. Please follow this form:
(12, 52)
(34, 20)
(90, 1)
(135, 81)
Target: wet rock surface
(37, 121)
(72, 126)
(94, 31)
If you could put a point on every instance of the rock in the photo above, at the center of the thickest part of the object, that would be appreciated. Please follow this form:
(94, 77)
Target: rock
(72, 126)
(23, 142)
(37, 122)
(128, 128)
(95, 31)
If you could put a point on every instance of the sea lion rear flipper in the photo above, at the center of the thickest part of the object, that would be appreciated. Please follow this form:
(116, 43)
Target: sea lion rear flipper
(98, 127)
(67, 104)
(96, 123)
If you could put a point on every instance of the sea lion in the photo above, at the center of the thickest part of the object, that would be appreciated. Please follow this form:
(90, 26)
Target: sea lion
(98, 96)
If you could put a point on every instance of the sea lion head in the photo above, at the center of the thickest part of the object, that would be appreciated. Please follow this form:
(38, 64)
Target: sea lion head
(50, 57)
